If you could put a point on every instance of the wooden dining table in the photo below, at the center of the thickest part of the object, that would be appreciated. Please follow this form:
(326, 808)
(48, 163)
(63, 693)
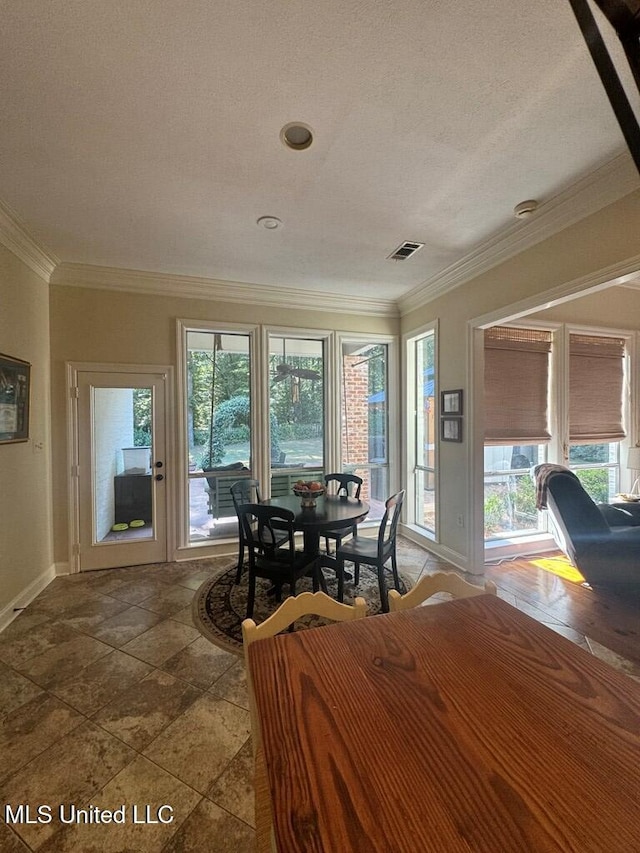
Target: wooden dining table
(459, 726)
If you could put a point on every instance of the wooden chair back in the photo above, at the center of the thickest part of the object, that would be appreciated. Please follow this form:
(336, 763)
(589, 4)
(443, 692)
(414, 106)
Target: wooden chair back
(348, 484)
(388, 530)
(440, 582)
(266, 528)
(246, 491)
(294, 607)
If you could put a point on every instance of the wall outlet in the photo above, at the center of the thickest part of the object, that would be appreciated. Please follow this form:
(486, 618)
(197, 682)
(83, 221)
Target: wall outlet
(460, 520)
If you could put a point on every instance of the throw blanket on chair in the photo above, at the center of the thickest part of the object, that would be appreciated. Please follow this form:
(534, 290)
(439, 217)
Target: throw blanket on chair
(542, 473)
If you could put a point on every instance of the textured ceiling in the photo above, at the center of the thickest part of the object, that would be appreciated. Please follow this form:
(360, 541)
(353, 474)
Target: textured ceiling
(145, 135)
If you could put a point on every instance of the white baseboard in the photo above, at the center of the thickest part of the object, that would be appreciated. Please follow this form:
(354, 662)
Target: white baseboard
(442, 551)
(24, 598)
(523, 546)
(204, 551)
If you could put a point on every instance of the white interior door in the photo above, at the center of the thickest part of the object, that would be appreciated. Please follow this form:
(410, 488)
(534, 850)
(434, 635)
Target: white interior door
(121, 469)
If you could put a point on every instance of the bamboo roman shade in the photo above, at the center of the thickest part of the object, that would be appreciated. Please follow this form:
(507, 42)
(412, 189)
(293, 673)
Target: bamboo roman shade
(596, 378)
(516, 385)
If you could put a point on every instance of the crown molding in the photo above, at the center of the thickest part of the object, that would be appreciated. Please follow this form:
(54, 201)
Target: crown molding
(605, 185)
(192, 287)
(14, 235)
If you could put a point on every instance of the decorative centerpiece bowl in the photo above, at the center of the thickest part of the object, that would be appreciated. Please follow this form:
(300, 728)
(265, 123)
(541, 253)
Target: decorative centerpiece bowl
(308, 492)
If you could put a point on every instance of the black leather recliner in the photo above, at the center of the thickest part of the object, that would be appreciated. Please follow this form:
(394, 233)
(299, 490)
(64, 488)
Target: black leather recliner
(602, 541)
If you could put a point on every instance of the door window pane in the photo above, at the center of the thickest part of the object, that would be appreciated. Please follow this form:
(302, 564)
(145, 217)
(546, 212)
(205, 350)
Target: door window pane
(121, 461)
(365, 421)
(218, 429)
(296, 387)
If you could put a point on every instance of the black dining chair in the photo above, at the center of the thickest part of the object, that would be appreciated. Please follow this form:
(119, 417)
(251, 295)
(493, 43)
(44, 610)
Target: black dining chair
(243, 491)
(247, 491)
(374, 552)
(263, 527)
(349, 485)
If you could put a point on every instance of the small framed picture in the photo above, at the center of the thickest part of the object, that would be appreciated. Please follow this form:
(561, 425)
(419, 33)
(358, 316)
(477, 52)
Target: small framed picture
(451, 429)
(14, 399)
(451, 402)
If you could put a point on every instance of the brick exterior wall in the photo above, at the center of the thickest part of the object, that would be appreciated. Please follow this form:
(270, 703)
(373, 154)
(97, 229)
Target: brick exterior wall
(355, 416)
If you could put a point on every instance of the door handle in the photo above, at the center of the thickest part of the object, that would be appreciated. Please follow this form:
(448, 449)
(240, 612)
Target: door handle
(159, 477)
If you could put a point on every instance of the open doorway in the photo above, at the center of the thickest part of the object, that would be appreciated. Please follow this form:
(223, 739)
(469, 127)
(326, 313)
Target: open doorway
(507, 522)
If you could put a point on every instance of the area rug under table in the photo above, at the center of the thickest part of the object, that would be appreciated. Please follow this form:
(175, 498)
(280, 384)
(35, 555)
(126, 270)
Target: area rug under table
(220, 605)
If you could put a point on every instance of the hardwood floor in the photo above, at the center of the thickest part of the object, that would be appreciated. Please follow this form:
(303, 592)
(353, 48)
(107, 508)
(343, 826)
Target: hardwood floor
(608, 617)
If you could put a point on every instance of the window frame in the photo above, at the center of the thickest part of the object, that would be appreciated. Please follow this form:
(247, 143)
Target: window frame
(412, 465)
(629, 381)
(558, 446)
(259, 385)
(391, 464)
(183, 475)
(327, 340)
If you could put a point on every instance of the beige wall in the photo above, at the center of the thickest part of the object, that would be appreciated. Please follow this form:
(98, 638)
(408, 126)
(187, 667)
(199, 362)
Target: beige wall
(613, 308)
(103, 326)
(598, 242)
(26, 553)
(100, 326)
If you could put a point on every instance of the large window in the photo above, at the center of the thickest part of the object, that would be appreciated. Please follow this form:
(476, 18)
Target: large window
(364, 397)
(297, 395)
(218, 428)
(580, 424)
(517, 427)
(278, 405)
(423, 352)
(597, 466)
(509, 491)
(596, 412)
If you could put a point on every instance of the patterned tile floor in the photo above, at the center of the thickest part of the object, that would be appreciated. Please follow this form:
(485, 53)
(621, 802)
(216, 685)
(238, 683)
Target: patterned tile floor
(110, 698)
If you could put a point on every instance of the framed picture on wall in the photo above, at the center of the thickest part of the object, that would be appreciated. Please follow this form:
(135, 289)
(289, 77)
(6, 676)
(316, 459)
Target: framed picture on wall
(15, 376)
(451, 402)
(451, 429)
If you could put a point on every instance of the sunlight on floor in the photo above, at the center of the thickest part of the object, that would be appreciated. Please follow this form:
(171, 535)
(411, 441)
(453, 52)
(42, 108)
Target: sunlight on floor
(560, 566)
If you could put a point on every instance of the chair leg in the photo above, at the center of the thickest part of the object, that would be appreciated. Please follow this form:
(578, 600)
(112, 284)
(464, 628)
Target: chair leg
(340, 574)
(394, 568)
(318, 578)
(384, 598)
(356, 573)
(321, 578)
(240, 561)
(251, 595)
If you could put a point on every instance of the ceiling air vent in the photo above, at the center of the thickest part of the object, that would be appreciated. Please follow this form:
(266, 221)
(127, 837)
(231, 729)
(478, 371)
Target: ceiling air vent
(404, 251)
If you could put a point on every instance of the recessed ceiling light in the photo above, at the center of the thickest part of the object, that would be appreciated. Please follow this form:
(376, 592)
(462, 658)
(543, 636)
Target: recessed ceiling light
(296, 135)
(270, 222)
(525, 208)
